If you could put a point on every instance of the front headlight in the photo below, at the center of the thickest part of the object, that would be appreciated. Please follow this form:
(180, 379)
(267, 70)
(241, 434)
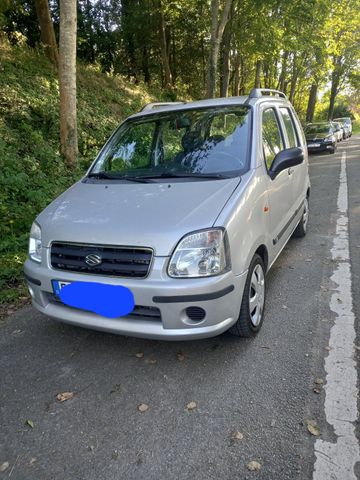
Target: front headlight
(330, 138)
(35, 243)
(200, 254)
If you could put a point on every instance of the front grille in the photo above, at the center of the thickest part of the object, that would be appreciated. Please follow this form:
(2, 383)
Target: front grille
(139, 311)
(115, 261)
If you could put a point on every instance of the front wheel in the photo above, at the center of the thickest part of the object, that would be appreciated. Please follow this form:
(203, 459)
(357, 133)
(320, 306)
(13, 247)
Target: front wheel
(253, 301)
(301, 229)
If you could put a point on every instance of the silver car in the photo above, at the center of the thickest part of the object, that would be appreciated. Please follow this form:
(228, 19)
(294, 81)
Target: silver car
(187, 206)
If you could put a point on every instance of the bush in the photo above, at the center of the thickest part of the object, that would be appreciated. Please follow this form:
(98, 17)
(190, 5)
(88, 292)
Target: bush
(32, 170)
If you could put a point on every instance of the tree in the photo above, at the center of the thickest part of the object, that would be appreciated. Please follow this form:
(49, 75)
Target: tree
(344, 45)
(217, 31)
(165, 48)
(47, 30)
(67, 81)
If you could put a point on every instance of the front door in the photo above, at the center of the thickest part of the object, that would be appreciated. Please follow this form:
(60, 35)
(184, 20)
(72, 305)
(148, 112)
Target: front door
(280, 189)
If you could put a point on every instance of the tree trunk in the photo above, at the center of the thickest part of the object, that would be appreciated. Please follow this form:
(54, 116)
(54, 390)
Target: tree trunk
(335, 80)
(311, 103)
(129, 39)
(282, 78)
(67, 82)
(47, 30)
(225, 56)
(217, 31)
(164, 49)
(236, 89)
(145, 65)
(257, 83)
(294, 79)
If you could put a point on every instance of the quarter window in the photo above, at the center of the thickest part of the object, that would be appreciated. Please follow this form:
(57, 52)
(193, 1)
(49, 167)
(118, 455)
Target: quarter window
(272, 138)
(290, 127)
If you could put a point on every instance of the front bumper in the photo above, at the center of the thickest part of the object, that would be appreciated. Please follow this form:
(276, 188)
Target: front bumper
(219, 296)
(323, 147)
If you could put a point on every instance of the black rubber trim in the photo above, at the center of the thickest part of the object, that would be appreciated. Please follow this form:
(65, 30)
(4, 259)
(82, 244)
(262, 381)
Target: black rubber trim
(288, 224)
(35, 281)
(194, 298)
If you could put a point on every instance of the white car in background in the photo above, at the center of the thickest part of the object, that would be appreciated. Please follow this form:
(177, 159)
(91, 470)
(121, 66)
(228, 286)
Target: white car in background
(338, 131)
(346, 123)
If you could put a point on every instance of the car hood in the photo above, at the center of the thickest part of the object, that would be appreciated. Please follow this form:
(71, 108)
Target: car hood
(152, 215)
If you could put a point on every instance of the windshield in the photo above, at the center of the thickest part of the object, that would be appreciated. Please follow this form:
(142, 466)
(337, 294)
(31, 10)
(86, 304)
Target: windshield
(310, 129)
(345, 121)
(196, 141)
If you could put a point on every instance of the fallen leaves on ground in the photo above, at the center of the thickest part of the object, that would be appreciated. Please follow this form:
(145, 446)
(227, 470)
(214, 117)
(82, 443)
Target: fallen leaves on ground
(313, 428)
(139, 355)
(4, 466)
(151, 361)
(191, 406)
(62, 397)
(319, 381)
(237, 435)
(180, 356)
(143, 407)
(316, 390)
(29, 423)
(253, 466)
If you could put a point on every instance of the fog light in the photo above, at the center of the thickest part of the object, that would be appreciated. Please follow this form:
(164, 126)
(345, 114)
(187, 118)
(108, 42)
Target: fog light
(196, 314)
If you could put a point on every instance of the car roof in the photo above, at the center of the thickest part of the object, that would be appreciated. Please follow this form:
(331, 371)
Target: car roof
(244, 100)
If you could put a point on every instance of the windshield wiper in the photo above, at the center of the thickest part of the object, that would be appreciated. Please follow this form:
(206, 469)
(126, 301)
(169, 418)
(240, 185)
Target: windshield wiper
(108, 176)
(188, 175)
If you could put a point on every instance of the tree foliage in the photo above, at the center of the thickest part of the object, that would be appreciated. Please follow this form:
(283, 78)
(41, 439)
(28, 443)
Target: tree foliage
(214, 47)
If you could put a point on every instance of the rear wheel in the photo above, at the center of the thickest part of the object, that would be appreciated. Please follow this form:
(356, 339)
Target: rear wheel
(301, 229)
(253, 301)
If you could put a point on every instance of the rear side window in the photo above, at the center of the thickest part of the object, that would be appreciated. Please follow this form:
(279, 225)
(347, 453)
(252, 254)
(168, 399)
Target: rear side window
(272, 138)
(290, 127)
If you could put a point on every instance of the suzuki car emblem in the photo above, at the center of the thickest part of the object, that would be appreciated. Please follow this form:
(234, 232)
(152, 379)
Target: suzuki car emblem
(93, 260)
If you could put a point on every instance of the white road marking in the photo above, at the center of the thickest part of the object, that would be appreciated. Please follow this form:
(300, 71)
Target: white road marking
(336, 461)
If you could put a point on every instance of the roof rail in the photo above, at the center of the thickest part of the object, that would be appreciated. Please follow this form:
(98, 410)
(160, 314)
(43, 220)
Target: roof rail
(259, 92)
(151, 106)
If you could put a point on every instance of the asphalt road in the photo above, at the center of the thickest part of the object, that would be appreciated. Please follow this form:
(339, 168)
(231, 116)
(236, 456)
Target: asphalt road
(262, 388)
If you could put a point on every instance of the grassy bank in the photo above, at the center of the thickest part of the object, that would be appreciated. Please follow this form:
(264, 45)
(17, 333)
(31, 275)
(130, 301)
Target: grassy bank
(32, 171)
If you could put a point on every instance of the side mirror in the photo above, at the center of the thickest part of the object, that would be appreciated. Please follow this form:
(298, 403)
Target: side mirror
(286, 159)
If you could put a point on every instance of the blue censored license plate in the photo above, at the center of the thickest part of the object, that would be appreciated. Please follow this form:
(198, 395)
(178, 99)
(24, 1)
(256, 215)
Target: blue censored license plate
(110, 301)
(58, 285)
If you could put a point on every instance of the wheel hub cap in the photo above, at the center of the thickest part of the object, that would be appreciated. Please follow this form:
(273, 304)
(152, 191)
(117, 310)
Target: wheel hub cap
(257, 295)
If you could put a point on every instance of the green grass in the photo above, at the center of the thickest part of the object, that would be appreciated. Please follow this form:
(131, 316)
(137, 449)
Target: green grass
(356, 127)
(32, 170)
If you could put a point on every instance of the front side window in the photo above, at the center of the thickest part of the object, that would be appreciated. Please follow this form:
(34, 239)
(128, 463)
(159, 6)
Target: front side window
(271, 136)
(290, 127)
(194, 141)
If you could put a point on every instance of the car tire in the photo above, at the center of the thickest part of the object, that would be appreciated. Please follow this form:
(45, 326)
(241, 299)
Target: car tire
(301, 229)
(250, 321)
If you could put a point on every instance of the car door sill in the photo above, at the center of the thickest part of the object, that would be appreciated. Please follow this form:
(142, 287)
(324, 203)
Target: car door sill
(283, 231)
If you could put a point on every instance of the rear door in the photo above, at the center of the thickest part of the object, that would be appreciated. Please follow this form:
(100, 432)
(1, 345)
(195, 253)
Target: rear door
(293, 139)
(280, 189)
